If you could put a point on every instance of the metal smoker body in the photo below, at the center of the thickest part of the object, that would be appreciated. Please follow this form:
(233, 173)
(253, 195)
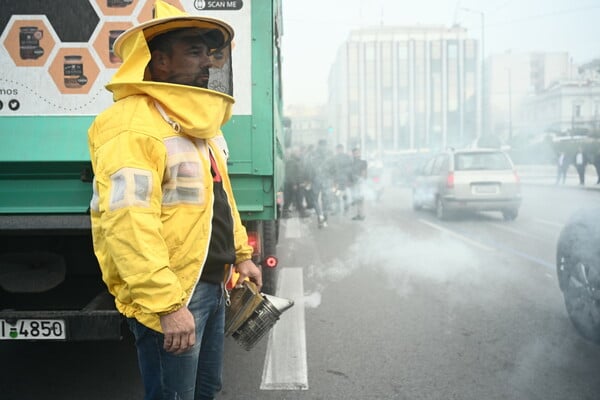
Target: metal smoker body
(250, 314)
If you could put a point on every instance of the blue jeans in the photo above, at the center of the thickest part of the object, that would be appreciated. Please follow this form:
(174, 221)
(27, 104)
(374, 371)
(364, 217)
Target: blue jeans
(195, 374)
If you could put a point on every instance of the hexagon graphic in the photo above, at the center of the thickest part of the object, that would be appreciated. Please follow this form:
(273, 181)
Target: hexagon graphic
(117, 7)
(74, 70)
(146, 12)
(105, 39)
(29, 42)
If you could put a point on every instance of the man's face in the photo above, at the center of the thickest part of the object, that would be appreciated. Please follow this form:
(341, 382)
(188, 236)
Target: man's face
(189, 62)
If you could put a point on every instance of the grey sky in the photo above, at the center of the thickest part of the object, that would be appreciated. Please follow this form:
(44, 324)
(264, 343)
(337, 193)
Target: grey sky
(314, 30)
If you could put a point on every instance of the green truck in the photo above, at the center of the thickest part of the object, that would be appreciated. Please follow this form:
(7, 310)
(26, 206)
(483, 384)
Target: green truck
(56, 58)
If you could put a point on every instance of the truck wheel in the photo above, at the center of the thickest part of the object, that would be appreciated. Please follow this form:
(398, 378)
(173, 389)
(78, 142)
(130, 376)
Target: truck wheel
(269, 249)
(578, 269)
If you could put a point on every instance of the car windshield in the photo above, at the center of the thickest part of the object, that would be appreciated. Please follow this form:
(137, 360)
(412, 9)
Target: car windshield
(478, 161)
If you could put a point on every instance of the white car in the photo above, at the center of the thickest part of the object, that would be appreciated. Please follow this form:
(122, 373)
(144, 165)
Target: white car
(468, 180)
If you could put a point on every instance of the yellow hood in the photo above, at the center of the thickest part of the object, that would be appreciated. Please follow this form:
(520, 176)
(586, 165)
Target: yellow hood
(200, 112)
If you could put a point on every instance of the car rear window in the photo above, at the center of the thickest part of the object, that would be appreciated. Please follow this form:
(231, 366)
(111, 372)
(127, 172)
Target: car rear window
(479, 161)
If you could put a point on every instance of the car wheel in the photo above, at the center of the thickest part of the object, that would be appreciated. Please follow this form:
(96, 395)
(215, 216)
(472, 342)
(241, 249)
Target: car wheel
(416, 205)
(578, 269)
(440, 209)
(510, 215)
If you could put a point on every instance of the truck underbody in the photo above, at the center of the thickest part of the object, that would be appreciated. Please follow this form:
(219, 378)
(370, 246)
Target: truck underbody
(48, 272)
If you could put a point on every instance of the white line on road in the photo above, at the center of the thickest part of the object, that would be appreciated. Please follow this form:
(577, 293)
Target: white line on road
(294, 228)
(457, 235)
(518, 232)
(285, 365)
(551, 223)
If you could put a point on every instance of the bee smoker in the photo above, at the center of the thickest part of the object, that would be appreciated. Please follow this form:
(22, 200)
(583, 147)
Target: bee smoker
(250, 314)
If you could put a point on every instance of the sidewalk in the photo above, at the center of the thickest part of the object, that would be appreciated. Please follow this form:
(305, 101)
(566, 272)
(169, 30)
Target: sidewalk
(546, 175)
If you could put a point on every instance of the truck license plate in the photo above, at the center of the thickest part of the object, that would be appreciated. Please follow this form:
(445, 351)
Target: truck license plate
(33, 329)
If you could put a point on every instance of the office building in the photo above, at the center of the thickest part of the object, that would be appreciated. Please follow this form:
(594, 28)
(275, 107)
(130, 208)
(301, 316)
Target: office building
(405, 89)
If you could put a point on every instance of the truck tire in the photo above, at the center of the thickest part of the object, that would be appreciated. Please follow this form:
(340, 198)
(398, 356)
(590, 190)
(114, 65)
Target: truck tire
(578, 271)
(269, 244)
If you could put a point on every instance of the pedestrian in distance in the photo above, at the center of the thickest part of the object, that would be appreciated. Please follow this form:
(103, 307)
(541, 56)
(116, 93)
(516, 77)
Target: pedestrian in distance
(317, 173)
(580, 164)
(341, 173)
(597, 165)
(293, 185)
(359, 176)
(562, 165)
(165, 225)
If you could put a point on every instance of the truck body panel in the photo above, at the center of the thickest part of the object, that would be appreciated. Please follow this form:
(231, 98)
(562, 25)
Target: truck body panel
(45, 171)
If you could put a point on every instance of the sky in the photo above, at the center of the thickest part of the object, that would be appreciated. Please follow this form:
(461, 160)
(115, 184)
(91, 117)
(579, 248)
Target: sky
(315, 29)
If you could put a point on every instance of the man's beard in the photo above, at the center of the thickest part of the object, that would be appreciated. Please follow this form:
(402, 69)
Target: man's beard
(196, 80)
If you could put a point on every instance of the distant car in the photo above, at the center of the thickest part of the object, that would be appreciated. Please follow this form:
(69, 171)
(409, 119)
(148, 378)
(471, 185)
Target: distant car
(578, 270)
(468, 180)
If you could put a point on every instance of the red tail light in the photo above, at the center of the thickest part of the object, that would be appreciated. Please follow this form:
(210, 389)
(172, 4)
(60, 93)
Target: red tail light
(270, 262)
(517, 177)
(450, 180)
(254, 241)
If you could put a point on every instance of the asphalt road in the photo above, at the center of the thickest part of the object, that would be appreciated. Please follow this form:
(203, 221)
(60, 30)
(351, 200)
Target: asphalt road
(399, 306)
(403, 306)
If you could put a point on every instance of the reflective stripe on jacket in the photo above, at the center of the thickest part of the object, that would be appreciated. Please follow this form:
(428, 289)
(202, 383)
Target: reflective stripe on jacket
(152, 208)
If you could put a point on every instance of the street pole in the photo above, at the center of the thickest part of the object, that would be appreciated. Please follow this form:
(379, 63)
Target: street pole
(483, 104)
(482, 79)
(509, 106)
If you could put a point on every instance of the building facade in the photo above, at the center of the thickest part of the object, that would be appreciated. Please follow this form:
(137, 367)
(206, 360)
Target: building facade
(405, 89)
(567, 108)
(308, 125)
(512, 81)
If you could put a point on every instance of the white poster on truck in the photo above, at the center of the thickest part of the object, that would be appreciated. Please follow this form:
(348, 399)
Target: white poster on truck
(56, 58)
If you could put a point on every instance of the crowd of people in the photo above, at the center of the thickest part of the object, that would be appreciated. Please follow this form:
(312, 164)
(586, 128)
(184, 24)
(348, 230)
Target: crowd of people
(324, 181)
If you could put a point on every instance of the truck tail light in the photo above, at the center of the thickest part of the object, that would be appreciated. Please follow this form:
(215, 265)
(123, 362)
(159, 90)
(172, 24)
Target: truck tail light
(270, 262)
(254, 241)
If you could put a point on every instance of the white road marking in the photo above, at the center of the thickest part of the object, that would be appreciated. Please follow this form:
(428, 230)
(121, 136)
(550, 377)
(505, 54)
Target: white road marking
(285, 365)
(294, 228)
(518, 232)
(551, 223)
(457, 235)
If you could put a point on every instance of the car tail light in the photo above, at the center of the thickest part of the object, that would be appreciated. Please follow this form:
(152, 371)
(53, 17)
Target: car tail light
(254, 241)
(270, 262)
(517, 177)
(450, 180)
(376, 179)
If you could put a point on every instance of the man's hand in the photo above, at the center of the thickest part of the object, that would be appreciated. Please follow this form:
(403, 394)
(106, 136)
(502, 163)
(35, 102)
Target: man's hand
(247, 269)
(179, 329)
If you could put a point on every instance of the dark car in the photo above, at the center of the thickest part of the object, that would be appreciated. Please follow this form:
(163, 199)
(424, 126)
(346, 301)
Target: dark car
(578, 269)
